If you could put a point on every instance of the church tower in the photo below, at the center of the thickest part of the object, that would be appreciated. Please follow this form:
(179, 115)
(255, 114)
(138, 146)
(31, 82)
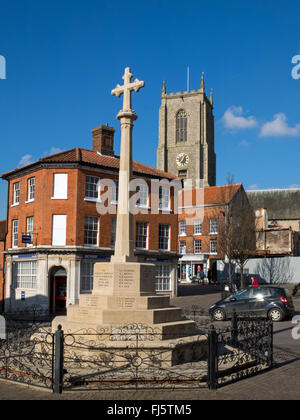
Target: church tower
(186, 135)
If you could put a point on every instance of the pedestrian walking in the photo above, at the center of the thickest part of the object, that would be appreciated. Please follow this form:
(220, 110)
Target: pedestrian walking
(209, 276)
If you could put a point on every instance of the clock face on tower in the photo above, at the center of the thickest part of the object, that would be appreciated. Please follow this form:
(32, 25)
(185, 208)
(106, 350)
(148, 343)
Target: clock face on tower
(182, 160)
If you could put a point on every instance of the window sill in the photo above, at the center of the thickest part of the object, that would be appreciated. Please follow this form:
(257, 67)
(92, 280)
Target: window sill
(29, 201)
(59, 198)
(15, 205)
(90, 246)
(142, 206)
(92, 200)
(213, 233)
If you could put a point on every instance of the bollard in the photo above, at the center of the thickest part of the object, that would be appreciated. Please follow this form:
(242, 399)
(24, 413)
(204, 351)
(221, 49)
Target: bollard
(234, 328)
(271, 346)
(58, 360)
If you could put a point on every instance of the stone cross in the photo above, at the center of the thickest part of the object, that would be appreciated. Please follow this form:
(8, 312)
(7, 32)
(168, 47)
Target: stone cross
(124, 248)
(127, 88)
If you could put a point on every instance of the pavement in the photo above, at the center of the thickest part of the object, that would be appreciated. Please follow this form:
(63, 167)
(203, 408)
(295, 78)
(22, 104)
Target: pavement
(282, 382)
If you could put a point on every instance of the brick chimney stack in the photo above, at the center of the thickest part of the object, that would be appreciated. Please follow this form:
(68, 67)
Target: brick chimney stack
(103, 140)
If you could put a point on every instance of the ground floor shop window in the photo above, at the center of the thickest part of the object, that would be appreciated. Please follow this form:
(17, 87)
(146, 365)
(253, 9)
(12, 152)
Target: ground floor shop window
(163, 278)
(86, 276)
(25, 275)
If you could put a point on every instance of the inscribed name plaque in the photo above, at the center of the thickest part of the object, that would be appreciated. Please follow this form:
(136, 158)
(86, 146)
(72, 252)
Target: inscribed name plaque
(103, 278)
(126, 278)
(126, 302)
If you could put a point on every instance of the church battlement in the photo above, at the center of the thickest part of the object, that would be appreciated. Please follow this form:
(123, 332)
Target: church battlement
(186, 135)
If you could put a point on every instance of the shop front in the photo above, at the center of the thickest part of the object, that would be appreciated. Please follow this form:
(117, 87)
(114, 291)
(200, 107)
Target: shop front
(191, 266)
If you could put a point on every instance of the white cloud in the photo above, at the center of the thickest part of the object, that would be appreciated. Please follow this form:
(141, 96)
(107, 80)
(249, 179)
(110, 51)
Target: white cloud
(253, 187)
(52, 151)
(55, 151)
(234, 119)
(244, 143)
(294, 186)
(26, 160)
(279, 127)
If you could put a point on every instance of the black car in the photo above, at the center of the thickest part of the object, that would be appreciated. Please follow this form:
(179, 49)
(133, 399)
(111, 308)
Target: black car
(266, 301)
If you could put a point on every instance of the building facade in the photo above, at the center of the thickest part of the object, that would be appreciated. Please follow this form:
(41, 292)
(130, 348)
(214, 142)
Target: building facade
(2, 269)
(282, 206)
(186, 136)
(62, 220)
(201, 229)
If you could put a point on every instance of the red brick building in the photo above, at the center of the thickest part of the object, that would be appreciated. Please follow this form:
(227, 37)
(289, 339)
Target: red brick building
(203, 213)
(57, 228)
(2, 249)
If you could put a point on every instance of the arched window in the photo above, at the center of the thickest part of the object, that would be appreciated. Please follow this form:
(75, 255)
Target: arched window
(181, 126)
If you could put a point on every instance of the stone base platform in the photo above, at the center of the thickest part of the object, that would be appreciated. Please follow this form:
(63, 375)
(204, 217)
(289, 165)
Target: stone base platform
(107, 332)
(132, 346)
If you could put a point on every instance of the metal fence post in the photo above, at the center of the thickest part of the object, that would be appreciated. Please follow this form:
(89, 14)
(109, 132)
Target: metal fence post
(58, 360)
(212, 358)
(271, 348)
(234, 328)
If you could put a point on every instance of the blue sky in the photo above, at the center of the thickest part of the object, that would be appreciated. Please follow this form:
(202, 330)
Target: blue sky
(64, 57)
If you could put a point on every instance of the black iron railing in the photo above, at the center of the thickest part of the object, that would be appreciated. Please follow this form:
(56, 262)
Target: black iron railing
(135, 356)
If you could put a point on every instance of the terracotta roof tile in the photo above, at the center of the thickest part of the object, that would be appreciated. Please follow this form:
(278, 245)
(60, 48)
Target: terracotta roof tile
(212, 195)
(93, 158)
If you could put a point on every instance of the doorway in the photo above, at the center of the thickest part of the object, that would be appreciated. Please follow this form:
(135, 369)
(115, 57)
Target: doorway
(58, 291)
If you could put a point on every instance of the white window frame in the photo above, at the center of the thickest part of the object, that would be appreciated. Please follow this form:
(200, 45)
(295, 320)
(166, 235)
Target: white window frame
(30, 190)
(15, 233)
(60, 186)
(213, 249)
(142, 196)
(164, 198)
(25, 275)
(213, 226)
(197, 248)
(142, 234)
(197, 227)
(16, 194)
(86, 276)
(115, 192)
(29, 228)
(182, 228)
(163, 279)
(91, 221)
(162, 237)
(94, 181)
(182, 247)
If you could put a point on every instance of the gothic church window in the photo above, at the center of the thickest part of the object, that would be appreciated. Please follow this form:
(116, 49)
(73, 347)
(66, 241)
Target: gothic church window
(181, 126)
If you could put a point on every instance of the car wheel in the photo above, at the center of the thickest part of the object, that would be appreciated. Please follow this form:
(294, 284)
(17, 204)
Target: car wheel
(218, 315)
(275, 315)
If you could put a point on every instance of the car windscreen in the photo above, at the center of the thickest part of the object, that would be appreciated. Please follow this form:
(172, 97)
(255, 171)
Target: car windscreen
(242, 294)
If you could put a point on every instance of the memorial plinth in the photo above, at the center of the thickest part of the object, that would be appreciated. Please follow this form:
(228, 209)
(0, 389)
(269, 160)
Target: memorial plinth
(124, 293)
(124, 290)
